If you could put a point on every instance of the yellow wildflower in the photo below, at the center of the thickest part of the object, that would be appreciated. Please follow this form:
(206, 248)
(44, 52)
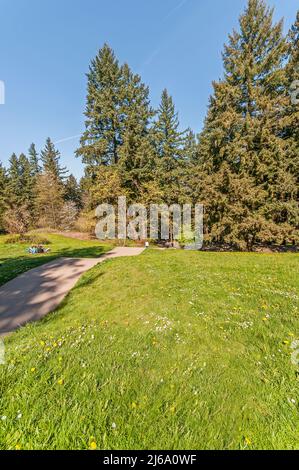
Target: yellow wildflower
(248, 441)
(33, 369)
(18, 447)
(60, 382)
(134, 405)
(92, 443)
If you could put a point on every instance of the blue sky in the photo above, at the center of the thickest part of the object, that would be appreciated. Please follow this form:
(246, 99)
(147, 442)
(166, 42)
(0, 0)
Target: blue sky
(46, 47)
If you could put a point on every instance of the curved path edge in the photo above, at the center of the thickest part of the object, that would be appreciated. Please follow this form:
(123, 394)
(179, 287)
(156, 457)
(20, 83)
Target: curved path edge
(35, 293)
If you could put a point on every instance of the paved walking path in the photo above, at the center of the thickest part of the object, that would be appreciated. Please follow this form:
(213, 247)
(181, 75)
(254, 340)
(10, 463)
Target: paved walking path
(37, 292)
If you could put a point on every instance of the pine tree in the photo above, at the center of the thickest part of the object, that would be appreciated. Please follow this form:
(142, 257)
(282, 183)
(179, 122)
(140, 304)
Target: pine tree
(190, 150)
(33, 159)
(72, 192)
(136, 154)
(102, 138)
(49, 200)
(14, 187)
(20, 188)
(168, 139)
(3, 194)
(26, 181)
(50, 158)
(170, 144)
(117, 124)
(290, 121)
(242, 129)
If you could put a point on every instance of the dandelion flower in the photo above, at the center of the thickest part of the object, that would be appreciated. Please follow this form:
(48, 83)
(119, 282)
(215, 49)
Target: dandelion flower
(248, 441)
(60, 382)
(17, 447)
(33, 369)
(93, 445)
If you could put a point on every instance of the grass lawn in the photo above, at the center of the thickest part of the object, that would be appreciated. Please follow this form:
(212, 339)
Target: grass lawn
(169, 350)
(14, 260)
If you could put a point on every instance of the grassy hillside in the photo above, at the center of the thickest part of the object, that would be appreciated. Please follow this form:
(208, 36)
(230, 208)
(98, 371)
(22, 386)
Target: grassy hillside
(14, 260)
(168, 350)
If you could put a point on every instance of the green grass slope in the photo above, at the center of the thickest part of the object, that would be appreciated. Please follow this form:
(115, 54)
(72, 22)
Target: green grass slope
(14, 260)
(169, 350)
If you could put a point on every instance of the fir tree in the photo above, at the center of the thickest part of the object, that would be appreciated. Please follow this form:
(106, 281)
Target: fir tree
(50, 158)
(26, 181)
(117, 123)
(102, 138)
(33, 159)
(3, 194)
(72, 192)
(14, 181)
(136, 154)
(168, 139)
(170, 144)
(290, 122)
(190, 150)
(242, 129)
(49, 200)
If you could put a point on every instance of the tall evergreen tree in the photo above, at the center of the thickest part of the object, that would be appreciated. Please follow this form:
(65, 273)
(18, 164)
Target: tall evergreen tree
(190, 150)
(33, 160)
(168, 139)
(290, 123)
(14, 188)
(136, 154)
(3, 194)
(117, 123)
(72, 191)
(102, 138)
(49, 200)
(242, 130)
(50, 158)
(170, 145)
(26, 181)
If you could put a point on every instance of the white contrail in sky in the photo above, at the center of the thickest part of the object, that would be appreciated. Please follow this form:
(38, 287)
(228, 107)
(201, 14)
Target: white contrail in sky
(154, 54)
(66, 139)
(176, 8)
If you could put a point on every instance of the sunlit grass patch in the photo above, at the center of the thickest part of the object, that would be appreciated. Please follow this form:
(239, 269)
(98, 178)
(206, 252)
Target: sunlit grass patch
(169, 350)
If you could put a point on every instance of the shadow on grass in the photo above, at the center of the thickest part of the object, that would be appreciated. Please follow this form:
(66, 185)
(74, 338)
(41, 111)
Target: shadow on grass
(15, 266)
(56, 315)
